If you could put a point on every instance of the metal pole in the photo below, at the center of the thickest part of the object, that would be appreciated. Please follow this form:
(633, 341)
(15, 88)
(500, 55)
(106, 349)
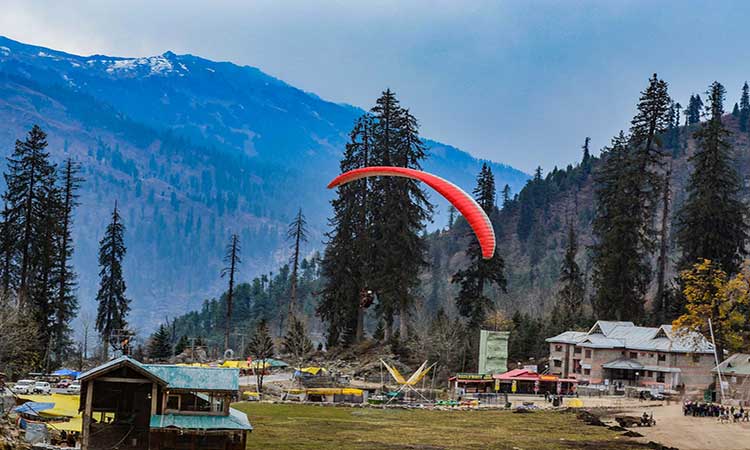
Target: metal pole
(716, 358)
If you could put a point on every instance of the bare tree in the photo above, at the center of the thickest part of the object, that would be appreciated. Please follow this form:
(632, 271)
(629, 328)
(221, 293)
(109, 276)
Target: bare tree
(298, 234)
(232, 258)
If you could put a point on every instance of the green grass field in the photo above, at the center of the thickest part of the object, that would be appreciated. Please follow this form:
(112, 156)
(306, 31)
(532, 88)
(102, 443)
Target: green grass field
(285, 426)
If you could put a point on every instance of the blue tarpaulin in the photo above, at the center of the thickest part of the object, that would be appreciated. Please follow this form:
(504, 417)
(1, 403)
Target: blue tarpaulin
(33, 408)
(65, 373)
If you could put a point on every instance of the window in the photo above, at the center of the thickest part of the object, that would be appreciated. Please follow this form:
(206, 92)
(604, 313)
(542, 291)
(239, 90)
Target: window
(173, 402)
(633, 355)
(648, 374)
(558, 348)
(577, 350)
(660, 377)
(577, 365)
(588, 353)
(587, 371)
(650, 355)
(662, 357)
(558, 363)
(696, 357)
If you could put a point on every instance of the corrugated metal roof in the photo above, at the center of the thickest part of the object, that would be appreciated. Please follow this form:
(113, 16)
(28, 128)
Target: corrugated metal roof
(236, 420)
(606, 334)
(178, 377)
(568, 337)
(623, 363)
(122, 360)
(737, 364)
(197, 378)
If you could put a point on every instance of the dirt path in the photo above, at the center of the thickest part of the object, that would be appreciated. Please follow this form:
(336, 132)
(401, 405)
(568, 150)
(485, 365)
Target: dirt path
(693, 433)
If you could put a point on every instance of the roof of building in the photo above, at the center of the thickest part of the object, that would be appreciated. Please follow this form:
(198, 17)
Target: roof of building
(236, 420)
(610, 334)
(197, 378)
(568, 337)
(737, 364)
(175, 377)
(623, 363)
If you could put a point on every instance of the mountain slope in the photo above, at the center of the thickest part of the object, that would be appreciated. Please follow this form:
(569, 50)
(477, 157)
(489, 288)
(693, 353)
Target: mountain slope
(192, 150)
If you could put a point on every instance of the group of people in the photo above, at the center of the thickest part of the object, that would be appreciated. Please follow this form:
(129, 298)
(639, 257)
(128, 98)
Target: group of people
(721, 412)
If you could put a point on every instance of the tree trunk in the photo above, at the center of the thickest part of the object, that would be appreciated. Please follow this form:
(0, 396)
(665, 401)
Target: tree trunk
(403, 321)
(662, 260)
(360, 332)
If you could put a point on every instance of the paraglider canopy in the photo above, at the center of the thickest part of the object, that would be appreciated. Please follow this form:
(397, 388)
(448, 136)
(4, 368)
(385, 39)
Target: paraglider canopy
(464, 203)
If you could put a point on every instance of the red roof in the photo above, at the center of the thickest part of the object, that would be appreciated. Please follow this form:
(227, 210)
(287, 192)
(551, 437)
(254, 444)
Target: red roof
(518, 374)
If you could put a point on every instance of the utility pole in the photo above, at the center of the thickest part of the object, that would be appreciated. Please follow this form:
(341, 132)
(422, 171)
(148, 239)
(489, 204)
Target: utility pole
(716, 358)
(242, 344)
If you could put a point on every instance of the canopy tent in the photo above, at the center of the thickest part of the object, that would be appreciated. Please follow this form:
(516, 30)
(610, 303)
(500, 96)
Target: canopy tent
(310, 371)
(33, 408)
(66, 373)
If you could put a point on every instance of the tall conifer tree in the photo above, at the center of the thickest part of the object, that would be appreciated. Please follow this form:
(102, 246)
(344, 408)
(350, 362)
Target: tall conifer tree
(472, 301)
(744, 113)
(113, 306)
(712, 221)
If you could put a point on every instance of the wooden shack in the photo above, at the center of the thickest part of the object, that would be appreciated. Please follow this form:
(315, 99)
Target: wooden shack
(130, 405)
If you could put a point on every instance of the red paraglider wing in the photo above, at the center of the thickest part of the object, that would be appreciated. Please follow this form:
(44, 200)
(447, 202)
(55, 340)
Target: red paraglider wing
(464, 203)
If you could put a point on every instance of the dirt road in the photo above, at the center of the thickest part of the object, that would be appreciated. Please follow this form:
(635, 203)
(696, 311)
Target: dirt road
(693, 433)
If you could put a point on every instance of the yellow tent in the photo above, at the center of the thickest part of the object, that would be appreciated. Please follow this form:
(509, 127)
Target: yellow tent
(66, 406)
(312, 370)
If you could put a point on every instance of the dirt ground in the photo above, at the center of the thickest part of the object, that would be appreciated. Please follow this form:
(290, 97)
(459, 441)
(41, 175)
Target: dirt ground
(693, 433)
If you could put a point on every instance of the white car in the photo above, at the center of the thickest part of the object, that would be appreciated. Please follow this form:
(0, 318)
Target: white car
(42, 387)
(23, 387)
(74, 388)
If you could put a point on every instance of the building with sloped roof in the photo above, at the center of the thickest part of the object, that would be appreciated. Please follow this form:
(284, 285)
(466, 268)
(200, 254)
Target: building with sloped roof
(130, 405)
(735, 373)
(623, 354)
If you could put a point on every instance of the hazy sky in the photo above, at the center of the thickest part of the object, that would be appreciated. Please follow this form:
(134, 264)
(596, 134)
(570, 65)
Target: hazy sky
(518, 82)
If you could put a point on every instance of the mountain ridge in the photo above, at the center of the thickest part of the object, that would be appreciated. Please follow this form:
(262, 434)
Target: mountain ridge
(191, 158)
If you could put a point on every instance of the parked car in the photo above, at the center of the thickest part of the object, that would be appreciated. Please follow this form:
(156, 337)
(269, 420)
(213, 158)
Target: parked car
(74, 388)
(23, 387)
(42, 387)
(63, 384)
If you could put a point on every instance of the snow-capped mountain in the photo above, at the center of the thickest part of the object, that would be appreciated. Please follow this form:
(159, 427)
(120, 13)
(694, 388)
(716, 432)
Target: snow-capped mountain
(192, 150)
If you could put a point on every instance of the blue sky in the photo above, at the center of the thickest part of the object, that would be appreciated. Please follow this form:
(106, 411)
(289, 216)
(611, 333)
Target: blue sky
(518, 82)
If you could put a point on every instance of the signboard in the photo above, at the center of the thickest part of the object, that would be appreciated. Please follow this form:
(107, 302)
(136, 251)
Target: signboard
(513, 387)
(536, 387)
(474, 376)
(531, 368)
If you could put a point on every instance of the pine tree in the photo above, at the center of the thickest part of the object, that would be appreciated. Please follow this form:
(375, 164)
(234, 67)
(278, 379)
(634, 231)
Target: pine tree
(260, 348)
(744, 113)
(571, 294)
(400, 249)
(29, 177)
(694, 110)
(711, 223)
(586, 162)
(621, 264)
(472, 301)
(298, 234)
(232, 259)
(297, 343)
(452, 216)
(182, 345)
(66, 303)
(506, 196)
(159, 344)
(736, 111)
(349, 249)
(113, 304)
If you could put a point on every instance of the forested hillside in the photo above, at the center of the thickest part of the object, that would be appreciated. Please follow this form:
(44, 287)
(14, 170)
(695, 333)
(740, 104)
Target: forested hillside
(532, 224)
(192, 150)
